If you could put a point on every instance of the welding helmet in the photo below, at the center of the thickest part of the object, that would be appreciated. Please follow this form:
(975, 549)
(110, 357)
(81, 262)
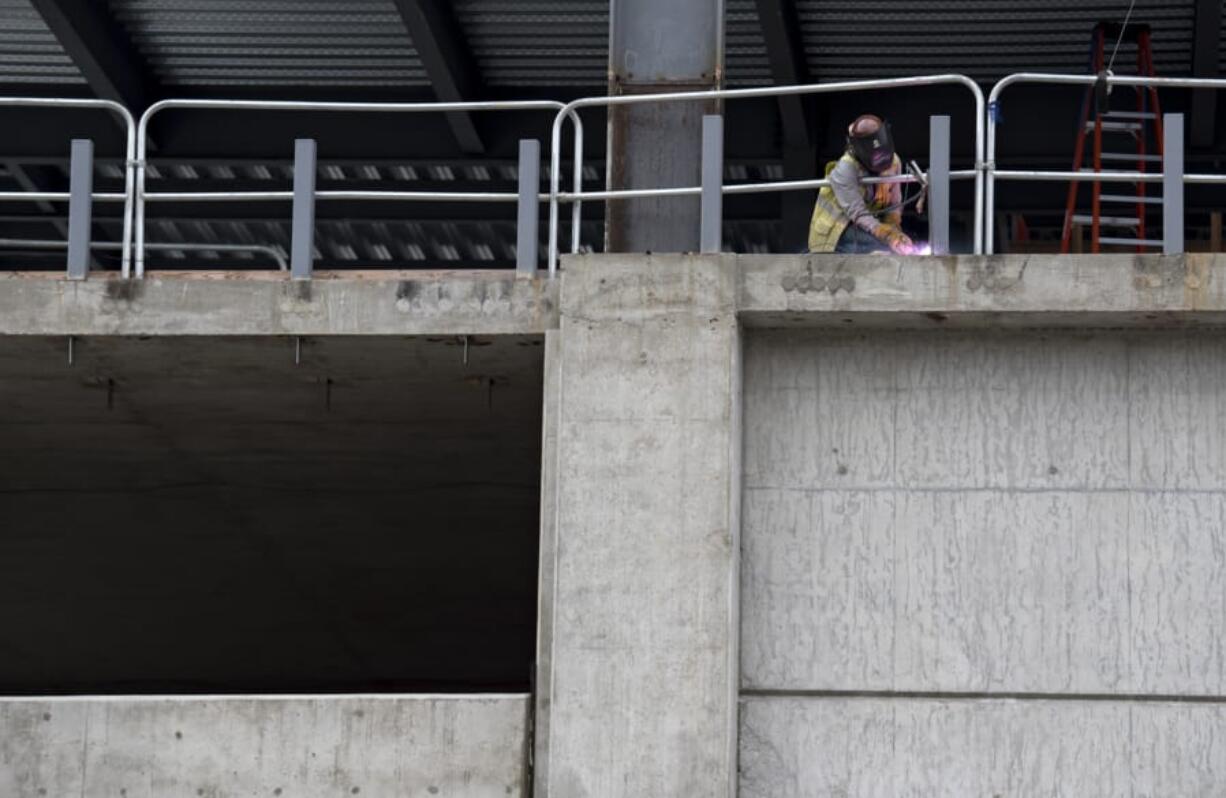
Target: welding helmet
(869, 140)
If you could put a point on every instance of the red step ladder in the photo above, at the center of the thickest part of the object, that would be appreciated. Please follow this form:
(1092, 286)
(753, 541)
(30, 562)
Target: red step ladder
(1142, 123)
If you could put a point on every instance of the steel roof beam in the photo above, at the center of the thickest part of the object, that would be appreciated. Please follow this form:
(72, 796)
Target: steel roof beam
(785, 50)
(1205, 43)
(101, 49)
(445, 56)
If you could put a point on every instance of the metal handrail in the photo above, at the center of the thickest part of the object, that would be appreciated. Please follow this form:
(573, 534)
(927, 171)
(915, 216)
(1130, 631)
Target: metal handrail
(992, 174)
(128, 197)
(742, 188)
(142, 196)
(56, 196)
(577, 195)
(37, 243)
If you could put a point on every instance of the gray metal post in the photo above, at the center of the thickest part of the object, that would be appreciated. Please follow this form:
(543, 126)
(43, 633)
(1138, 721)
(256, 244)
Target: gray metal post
(1172, 184)
(938, 184)
(659, 47)
(527, 236)
(80, 207)
(302, 234)
(712, 235)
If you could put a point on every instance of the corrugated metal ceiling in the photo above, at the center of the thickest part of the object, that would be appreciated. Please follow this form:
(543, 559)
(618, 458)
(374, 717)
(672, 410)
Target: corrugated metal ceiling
(985, 39)
(29, 52)
(1221, 64)
(538, 42)
(272, 42)
(541, 43)
(745, 60)
(566, 42)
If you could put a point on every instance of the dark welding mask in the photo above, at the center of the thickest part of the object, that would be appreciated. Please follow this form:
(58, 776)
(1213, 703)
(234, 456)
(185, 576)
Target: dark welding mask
(869, 140)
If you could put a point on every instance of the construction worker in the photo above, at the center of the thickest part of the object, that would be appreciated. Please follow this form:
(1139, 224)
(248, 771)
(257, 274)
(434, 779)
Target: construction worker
(855, 218)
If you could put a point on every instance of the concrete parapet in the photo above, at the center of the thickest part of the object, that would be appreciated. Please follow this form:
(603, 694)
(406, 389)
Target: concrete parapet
(768, 291)
(289, 746)
(982, 291)
(257, 303)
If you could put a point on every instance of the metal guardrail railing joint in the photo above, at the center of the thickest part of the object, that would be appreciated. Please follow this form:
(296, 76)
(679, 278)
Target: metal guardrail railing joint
(136, 158)
(577, 194)
(1172, 174)
(263, 249)
(140, 159)
(129, 124)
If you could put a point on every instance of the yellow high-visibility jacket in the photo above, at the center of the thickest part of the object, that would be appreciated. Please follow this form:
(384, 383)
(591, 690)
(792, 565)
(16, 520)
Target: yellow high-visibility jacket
(847, 201)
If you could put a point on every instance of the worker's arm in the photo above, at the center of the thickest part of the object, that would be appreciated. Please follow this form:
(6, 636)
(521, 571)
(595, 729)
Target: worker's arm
(894, 217)
(845, 182)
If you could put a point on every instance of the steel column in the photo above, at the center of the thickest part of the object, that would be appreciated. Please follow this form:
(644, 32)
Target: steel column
(527, 235)
(938, 184)
(302, 235)
(1172, 184)
(659, 47)
(80, 207)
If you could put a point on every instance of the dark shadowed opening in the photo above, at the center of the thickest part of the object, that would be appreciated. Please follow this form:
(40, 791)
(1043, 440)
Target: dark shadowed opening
(258, 515)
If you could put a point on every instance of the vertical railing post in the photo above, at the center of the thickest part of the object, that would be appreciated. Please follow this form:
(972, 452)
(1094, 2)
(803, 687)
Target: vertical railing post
(527, 231)
(302, 234)
(711, 235)
(80, 207)
(938, 184)
(1172, 184)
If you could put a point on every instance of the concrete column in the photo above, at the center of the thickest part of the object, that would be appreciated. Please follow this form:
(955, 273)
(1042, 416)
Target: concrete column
(659, 47)
(643, 648)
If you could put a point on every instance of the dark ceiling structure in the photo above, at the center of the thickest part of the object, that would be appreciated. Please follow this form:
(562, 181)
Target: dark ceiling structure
(141, 51)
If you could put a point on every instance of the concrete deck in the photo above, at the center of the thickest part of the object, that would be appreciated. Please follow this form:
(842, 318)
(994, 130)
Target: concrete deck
(772, 291)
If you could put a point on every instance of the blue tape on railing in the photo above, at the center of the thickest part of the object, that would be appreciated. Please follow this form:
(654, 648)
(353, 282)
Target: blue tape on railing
(994, 112)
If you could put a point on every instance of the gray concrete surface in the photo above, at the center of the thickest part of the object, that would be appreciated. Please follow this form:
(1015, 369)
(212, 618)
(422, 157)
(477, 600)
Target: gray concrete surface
(643, 652)
(1036, 512)
(261, 303)
(202, 514)
(770, 290)
(461, 746)
(1029, 519)
(915, 747)
(546, 580)
(984, 563)
(985, 291)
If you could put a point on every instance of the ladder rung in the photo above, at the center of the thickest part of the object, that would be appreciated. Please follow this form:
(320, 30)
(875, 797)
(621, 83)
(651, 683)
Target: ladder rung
(1116, 127)
(1130, 115)
(1109, 221)
(1130, 242)
(1130, 156)
(1130, 200)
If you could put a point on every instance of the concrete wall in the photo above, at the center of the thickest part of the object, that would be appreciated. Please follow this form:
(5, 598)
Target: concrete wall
(642, 647)
(975, 561)
(936, 521)
(462, 746)
(853, 747)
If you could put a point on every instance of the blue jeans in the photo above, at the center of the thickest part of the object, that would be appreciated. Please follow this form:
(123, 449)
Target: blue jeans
(855, 241)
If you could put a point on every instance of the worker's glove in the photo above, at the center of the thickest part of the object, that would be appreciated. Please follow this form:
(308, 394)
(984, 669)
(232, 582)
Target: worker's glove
(899, 243)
